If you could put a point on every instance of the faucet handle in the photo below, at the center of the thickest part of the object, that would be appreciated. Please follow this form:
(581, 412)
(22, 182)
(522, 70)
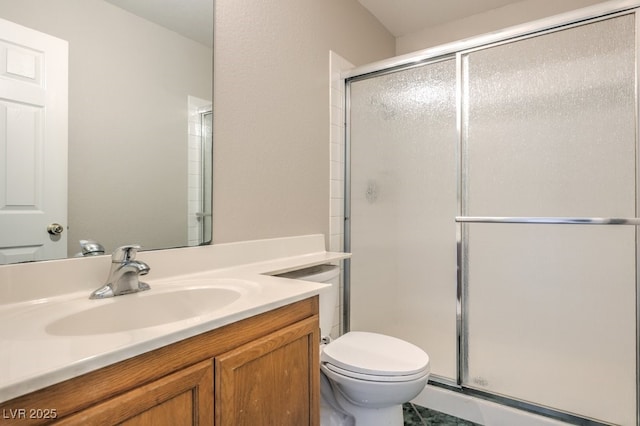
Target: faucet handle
(125, 253)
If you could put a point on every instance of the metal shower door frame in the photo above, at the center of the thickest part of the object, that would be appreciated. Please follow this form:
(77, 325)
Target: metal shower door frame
(459, 49)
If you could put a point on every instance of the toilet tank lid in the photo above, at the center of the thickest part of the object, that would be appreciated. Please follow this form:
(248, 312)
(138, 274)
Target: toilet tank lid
(375, 354)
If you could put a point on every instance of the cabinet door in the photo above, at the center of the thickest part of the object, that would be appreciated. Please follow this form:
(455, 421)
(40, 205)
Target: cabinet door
(271, 381)
(181, 398)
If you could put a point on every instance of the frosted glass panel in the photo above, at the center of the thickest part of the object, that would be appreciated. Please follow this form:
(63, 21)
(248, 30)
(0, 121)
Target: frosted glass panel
(549, 130)
(403, 201)
(549, 124)
(551, 316)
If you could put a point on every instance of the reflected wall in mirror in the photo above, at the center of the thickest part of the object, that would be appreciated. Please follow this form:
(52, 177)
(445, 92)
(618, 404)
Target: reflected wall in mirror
(139, 104)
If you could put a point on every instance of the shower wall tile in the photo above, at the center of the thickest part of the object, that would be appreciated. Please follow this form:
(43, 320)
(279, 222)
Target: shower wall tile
(337, 99)
(337, 223)
(337, 145)
(337, 189)
(337, 113)
(337, 170)
(337, 65)
(337, 140)
(337, 209)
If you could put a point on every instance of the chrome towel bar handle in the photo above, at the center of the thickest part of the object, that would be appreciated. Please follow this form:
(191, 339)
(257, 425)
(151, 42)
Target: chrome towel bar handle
(634, 221)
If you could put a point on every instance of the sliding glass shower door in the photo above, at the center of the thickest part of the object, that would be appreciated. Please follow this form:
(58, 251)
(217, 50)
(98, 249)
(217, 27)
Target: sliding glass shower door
(489, 198)
(549, 133)
(403, 201)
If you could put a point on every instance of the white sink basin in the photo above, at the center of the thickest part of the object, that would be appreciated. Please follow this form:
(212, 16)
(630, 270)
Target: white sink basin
(163, 304)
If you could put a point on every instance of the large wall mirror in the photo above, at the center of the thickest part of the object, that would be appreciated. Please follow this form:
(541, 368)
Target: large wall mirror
(140, 76)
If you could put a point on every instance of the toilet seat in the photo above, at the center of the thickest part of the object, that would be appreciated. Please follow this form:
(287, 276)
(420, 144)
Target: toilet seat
(375, 357)
(374, 377)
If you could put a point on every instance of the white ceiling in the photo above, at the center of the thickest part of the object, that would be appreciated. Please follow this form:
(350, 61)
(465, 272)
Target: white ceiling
(194, 21)
(402, 17)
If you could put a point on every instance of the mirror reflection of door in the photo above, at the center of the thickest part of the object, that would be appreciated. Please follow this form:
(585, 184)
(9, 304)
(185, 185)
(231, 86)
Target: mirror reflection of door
(33, 144)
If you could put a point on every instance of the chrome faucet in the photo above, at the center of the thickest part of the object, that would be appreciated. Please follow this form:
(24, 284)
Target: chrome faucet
(124, 273)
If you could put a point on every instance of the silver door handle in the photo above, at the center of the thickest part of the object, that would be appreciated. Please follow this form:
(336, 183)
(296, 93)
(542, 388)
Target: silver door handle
(55, 229)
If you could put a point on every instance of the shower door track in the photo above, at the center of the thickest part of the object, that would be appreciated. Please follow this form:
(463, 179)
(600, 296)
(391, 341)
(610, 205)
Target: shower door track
(449, 51)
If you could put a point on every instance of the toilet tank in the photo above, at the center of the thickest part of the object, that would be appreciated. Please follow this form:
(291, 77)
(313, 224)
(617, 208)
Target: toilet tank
(326, 274)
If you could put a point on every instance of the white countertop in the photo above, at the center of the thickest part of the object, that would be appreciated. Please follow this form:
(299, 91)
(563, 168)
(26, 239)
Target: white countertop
(32, 357)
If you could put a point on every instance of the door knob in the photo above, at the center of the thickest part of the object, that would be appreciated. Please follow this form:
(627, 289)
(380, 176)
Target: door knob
(55, 229)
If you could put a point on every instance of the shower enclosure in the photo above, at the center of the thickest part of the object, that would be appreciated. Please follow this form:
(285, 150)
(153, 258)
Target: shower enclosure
(206, 184)
(492, 212)
(200, 163)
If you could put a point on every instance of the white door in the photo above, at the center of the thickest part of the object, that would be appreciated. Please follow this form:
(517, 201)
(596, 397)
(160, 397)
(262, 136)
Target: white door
(33, 144)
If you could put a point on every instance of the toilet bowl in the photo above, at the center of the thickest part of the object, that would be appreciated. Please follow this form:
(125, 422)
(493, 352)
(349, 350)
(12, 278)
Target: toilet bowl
(369, 375)
(372, 375)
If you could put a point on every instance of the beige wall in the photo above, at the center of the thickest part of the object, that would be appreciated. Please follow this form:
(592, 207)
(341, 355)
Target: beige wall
(493, 20)
(271, 110)
(127, 130)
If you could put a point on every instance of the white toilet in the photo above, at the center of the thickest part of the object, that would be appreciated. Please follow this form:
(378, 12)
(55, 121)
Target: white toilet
(366, 376)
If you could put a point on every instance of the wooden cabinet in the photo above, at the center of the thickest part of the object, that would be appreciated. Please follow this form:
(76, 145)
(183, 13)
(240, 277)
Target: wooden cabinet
(271, 380)
(262, 370)
(181, 398)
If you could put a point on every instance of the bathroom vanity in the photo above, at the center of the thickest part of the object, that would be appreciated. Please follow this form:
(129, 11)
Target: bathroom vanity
(252, 361)
(176, 384)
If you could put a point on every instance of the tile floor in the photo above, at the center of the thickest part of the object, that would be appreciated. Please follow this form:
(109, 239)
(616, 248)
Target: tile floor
(414, 415)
